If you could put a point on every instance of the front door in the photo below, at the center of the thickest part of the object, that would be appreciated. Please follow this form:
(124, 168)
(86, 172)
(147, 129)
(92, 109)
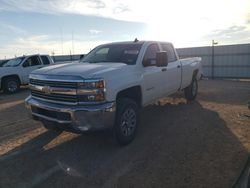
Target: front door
(151, 75)
(30, 64)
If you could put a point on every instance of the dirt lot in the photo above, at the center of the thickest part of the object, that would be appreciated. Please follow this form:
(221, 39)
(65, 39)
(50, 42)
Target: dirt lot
(199, 144)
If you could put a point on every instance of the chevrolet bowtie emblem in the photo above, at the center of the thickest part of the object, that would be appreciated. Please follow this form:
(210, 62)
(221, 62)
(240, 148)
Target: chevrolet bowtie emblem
(46, 89)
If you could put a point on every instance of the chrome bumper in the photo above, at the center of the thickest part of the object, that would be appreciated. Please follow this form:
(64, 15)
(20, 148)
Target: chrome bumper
(80, 118)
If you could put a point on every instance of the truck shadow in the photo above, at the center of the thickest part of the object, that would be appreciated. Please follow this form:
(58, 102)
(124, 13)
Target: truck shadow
(15, 120)
(230, 92)
(178, 145)
(20, 95)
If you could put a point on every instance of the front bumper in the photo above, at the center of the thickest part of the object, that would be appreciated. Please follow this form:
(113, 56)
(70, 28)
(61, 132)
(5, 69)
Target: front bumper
(79, 118)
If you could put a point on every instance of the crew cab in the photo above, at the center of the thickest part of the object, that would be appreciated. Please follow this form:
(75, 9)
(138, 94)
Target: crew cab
(109, 86)
(15, 72)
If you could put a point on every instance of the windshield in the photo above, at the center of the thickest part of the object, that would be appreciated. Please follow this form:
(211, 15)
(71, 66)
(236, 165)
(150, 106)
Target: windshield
(13, 62)
(3, 62)
(121, 53)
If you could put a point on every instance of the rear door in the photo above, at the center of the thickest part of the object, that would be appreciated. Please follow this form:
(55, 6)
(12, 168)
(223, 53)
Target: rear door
(171, 81)
(30, 64)
(45, 60)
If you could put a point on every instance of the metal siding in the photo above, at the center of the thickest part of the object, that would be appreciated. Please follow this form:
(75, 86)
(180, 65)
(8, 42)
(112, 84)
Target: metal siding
(64, 58)
(232, 61)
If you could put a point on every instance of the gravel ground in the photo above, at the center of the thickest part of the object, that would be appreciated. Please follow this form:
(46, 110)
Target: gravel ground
(204, 143)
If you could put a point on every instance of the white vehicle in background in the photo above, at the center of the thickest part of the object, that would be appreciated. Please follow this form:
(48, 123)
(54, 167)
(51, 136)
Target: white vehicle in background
(15, 72)
(109, 87)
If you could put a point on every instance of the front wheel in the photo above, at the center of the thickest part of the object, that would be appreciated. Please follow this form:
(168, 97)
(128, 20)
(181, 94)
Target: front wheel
(127, 120)
(192, 90)
(11, 85)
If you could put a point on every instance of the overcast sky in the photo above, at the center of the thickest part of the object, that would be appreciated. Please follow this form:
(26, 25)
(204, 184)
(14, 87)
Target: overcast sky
(64, 27)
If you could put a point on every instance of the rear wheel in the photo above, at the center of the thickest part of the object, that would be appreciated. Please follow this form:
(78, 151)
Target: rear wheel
(127, 120)
(192, 90)
(11, 85)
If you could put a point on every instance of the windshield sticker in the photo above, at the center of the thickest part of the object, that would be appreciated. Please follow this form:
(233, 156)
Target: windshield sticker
(132, 52)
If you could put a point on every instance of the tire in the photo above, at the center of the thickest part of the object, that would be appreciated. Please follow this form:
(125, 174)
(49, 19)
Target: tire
(192, 90)
(11, 85)
(127, 120)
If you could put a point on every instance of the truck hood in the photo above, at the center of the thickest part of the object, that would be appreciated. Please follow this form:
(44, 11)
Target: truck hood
(85, 70)
(7, 68)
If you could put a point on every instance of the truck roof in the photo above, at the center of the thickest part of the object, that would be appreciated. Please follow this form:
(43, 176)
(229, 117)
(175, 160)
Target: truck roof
(32, 55)
(136, 42)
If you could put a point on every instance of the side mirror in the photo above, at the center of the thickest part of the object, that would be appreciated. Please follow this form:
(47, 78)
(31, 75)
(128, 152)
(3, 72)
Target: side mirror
(161, 59)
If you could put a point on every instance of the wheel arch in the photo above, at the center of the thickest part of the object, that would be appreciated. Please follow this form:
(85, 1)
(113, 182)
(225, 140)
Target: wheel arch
(134, 93)
(195, 74)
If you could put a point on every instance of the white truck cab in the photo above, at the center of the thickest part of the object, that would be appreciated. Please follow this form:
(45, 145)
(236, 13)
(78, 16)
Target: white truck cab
(109, 86)
(15, 72)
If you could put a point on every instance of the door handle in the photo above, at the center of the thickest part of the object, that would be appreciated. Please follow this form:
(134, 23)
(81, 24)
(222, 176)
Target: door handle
(164, 69)
(178, 66)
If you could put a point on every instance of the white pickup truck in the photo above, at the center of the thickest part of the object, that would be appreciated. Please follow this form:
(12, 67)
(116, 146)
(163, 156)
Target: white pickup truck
(15, 72)
(109, 86)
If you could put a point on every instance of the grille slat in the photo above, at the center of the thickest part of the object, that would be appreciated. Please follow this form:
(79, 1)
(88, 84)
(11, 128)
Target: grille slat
(53, 83)
(55, 95)
(55, 98)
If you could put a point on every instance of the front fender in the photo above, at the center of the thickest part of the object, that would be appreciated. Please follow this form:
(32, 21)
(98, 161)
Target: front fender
(119, 82)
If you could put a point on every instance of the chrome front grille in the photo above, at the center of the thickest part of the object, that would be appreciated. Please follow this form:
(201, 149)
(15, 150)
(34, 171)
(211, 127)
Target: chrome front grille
(54, 91)
(54, 97)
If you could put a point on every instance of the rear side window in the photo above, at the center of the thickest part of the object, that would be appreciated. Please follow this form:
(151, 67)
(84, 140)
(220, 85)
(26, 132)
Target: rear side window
(170, 51)
(45, 60)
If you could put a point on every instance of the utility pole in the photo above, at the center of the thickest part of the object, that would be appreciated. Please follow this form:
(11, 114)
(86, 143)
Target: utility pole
(70, 55)
(213, 44)
(73, 42)
(53, 55)
(62, 40)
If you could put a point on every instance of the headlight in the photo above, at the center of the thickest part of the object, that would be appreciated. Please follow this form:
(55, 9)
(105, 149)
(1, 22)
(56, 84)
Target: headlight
(91, 84)
(91, 90)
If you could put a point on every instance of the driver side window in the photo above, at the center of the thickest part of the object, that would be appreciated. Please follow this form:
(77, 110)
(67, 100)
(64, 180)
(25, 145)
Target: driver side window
(150, 55)
(31, 61)
(101, 54)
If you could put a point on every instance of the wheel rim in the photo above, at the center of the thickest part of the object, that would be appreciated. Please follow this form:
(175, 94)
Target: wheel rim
(194, 88)
(12, 86)
(128, 122)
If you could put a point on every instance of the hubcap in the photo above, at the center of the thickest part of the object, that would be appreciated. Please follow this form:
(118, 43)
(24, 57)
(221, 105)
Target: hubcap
(128, 122)
(194, 89)
(12, 86)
